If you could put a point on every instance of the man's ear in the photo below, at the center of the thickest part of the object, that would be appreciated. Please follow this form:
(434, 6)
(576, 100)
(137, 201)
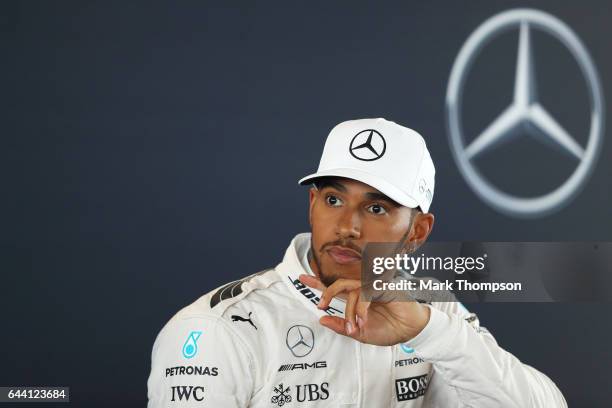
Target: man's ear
(421, 228)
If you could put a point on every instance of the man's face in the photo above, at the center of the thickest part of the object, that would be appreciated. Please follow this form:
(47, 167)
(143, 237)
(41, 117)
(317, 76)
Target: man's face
(344, 216)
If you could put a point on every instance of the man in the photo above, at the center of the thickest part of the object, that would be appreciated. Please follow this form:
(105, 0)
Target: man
(298, 334)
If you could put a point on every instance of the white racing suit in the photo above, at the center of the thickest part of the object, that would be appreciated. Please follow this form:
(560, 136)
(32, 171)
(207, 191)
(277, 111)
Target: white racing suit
(257, 343)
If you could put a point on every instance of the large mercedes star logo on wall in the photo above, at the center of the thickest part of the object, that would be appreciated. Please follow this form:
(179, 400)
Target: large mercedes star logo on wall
(525, 115)
(300, 340)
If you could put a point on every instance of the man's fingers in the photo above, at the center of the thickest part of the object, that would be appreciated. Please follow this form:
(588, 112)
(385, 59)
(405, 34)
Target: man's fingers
(338, 325)
(339, 286)
(349, 314)
(312, 281)
(362, 313)
(334, 323)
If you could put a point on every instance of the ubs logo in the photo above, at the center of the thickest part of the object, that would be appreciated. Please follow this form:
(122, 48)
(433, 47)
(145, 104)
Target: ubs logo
(304, 392)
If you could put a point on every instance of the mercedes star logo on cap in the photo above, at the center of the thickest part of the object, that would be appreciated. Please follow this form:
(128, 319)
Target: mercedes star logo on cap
(368, 145)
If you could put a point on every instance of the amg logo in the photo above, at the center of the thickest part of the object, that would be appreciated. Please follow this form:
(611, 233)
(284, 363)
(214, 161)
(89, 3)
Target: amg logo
(183, 391)
(302, 366)
(411, 388)
(309, 294)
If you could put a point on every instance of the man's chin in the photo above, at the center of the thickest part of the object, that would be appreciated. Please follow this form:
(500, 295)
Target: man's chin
(332, 273)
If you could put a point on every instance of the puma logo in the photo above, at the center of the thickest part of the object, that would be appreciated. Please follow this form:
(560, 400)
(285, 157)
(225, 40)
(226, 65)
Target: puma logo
(236, 318)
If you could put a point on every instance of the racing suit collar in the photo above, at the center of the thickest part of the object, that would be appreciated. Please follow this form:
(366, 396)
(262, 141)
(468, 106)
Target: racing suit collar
(292, 267)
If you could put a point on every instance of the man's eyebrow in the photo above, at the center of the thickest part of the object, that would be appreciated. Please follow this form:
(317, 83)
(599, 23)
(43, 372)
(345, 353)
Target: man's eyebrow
(382, 197)
(334, 184)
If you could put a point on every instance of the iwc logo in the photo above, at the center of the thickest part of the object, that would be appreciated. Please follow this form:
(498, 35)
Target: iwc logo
(368, 145)
(525, 115)
(300, 340)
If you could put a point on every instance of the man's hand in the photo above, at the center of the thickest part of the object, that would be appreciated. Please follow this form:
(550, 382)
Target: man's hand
(379, 323)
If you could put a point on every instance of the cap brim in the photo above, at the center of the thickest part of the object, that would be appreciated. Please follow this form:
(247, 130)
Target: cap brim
(373, 181)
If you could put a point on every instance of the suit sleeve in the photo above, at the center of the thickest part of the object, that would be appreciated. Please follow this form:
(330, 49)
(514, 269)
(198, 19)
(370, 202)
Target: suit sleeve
(471, 370)
(199, 361)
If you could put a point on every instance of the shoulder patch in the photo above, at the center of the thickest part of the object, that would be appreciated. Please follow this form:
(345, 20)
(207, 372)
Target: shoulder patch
(232, 289)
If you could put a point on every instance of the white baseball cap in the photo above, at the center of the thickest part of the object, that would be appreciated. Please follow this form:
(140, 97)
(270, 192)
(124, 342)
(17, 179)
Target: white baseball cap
(391, 158)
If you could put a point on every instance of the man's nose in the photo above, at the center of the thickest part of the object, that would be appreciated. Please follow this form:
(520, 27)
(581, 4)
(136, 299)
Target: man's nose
(349, 225)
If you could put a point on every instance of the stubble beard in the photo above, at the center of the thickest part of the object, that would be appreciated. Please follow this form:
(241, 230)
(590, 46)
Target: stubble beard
(327, 280)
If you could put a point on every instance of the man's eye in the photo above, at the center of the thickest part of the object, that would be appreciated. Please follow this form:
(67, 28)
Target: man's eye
(333, 201)
(377, 209)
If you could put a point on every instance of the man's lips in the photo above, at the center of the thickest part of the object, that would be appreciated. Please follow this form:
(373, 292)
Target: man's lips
(343, 255)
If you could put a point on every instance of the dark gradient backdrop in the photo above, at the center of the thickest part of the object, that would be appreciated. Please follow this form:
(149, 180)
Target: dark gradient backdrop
(150, 152)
